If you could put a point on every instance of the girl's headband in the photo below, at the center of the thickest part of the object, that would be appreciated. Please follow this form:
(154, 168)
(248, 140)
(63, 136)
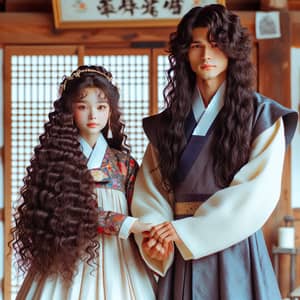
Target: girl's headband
(77, 73)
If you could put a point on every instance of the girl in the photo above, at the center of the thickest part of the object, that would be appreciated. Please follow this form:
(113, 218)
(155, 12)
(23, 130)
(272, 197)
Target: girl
(72, 228)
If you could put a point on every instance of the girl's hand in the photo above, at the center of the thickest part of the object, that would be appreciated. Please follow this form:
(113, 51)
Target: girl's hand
(139, 227)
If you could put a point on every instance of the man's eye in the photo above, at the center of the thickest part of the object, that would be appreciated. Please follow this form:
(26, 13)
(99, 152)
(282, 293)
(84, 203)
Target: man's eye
(195, 46)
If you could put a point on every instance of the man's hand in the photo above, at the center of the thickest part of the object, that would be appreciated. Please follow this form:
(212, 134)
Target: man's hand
(156, 250)
(164, 233)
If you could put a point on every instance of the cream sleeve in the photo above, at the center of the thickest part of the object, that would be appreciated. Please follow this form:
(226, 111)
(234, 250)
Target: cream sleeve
(236, 212)
(151, 203)
(228, 216)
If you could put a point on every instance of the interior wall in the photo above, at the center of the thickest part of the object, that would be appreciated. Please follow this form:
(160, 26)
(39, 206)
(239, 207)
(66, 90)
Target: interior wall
(1, 177)
(295, 103)
(39, 30)
(46, 6)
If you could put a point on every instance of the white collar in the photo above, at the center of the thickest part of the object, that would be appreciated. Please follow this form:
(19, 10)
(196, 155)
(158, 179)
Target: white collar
(205, 117)
(94, 155)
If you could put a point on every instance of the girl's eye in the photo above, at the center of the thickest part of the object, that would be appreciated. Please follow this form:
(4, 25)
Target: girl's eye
(101, 107)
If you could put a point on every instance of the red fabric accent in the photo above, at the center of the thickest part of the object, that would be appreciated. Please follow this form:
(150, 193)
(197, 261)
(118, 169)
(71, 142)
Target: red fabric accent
(100, 229)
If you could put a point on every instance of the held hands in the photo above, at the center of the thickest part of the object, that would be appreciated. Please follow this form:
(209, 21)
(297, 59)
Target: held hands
(164, 233)
(156, 250)
(159, 242)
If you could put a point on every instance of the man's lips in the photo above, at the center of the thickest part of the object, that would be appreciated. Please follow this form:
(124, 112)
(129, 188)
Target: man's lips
(207, 66)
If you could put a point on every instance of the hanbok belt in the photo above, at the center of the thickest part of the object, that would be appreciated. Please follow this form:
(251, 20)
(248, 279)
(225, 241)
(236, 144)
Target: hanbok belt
(186, 208)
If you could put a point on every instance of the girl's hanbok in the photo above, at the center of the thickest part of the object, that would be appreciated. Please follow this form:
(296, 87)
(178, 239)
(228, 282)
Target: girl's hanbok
(119, 272)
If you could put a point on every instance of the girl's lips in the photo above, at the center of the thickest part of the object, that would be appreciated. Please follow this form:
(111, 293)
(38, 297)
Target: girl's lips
(92, 125)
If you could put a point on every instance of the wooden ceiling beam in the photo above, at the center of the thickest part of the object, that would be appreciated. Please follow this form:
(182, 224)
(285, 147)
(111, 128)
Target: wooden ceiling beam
(28, 5)
(38, 28)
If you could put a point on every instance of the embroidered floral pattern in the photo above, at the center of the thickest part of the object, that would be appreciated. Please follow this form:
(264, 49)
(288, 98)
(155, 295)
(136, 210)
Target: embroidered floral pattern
(110, 222)
(118, 171)
(114, 178)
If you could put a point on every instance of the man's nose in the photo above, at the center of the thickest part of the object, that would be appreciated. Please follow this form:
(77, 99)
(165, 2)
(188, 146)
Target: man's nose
(206, 52)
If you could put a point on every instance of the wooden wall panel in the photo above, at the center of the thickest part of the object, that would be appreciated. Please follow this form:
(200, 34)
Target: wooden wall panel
(28, 5)
(295, 28)
(274, 82)
(296, 214)
(45, 5)
(243, 4)
(294, 4)
(38, 28)
(273, 66)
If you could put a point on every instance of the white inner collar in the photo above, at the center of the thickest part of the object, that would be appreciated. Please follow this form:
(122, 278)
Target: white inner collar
(206, 116)
(94, 155)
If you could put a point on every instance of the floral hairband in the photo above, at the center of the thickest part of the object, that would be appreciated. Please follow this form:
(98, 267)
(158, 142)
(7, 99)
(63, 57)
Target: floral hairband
(77, 73)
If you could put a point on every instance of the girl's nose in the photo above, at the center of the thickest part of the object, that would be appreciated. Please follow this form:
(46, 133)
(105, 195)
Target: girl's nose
(92, 114)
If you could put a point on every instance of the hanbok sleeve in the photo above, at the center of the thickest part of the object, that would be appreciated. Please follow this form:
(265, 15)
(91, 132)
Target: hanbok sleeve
(132, 168)
(113, 223)
(110, 222)
(234, 213)
(151, 203)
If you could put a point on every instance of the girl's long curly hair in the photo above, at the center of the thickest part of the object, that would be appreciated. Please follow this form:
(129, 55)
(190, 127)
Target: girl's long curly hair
(231, 142)
(56, 222)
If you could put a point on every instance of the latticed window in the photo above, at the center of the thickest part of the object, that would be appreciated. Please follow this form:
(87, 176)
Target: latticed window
(32, 76)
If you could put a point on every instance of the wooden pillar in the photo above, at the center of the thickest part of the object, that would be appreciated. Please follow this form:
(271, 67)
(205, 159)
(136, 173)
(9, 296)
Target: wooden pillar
(274, 82)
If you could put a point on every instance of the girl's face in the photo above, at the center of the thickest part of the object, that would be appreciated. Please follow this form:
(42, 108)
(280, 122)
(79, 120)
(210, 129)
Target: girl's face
(91, 113)
(206, 59)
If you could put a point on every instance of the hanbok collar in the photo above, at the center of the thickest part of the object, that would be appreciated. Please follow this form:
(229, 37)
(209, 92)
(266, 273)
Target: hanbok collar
(205, 116)
(94, 155)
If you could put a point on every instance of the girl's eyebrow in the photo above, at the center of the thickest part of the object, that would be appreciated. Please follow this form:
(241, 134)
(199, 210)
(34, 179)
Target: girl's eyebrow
(102, 100)
(99, 100)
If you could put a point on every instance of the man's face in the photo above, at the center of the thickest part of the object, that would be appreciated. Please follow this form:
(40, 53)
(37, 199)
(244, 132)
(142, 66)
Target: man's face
(206, 59)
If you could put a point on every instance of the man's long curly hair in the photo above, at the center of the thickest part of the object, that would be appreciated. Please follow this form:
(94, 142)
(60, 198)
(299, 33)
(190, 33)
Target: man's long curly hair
(56, 222)
(231, 142)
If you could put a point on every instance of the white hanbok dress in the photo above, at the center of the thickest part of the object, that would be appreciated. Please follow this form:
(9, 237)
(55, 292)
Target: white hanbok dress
(119, 272)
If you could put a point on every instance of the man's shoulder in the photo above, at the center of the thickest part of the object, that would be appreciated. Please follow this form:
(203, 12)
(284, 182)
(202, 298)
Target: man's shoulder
(159, 117)
(269, 111)
(153, 125)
